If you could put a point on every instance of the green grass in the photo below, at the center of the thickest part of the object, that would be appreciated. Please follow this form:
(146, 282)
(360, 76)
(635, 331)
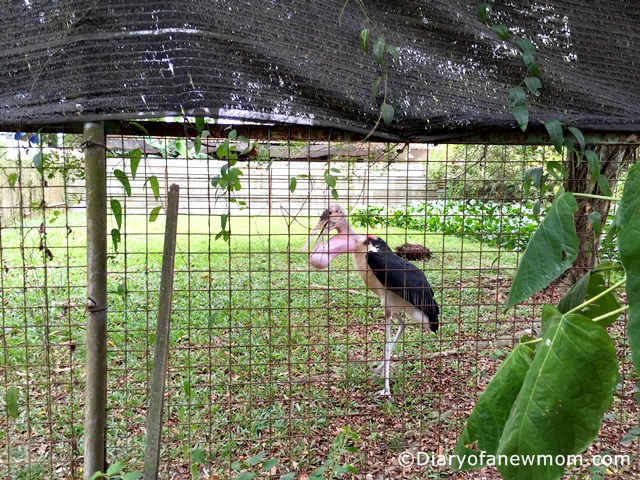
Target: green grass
(260, 360)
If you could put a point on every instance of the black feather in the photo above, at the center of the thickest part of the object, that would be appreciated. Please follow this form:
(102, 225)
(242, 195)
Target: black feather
(404, 279)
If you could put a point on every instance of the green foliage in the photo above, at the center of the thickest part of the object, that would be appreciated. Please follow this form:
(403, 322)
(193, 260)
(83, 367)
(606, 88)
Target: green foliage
(124, 180)
(382, 53)
(229, 179)
(38, 162)
(590, 297)
(330, 177)
(628, 222)
(554, 128)
(508, 225)
(255, 463)
(333, 467)
(116, 472)
(116, 238)
(153, 215)
(343, 446)
(558, 411)
(569, 384)
(531, 83)
(134, 157)
(540, 403)
(491, 412)
(116, 208)
(550, 252)
(494, 172)
(387, 112)
(177, 147)
(155, 186)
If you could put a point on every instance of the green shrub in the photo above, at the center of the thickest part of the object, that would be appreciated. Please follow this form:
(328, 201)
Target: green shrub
(507, 225)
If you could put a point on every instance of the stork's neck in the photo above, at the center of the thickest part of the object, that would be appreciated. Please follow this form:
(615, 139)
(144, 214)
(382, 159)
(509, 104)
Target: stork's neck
(344, 241)
(345, 229)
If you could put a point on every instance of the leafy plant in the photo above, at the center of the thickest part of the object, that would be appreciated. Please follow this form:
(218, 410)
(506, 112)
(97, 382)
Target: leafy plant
(333, 467)
(246, 468)
(228, 181)
(531, 83)
(330, 177)
(116, 472)
(508, 225)
(343, 446)
(551, 393)
(383, 53)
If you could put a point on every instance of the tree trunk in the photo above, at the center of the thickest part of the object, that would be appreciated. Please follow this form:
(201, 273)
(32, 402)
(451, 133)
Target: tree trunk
(613, 158)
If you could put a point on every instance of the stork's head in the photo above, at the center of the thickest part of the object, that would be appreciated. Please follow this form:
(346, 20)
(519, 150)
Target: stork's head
(333, 218)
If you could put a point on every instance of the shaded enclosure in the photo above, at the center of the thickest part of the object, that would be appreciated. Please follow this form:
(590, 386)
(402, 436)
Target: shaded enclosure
(304, 104)
(267, 355)
(300, 62)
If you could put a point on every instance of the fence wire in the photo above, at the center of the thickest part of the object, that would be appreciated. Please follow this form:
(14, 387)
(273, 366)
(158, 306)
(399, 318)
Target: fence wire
(270, 359)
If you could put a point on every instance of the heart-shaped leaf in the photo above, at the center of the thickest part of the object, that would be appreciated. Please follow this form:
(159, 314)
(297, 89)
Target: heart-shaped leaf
(551, 250)
(489, 415)
(387, 113)
(568, 388)
(521, 114)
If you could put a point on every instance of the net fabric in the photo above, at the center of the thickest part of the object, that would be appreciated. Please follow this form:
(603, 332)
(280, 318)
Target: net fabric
(300, 62)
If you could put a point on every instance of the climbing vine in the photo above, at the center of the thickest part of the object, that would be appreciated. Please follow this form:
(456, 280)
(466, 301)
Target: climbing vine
(382, 52)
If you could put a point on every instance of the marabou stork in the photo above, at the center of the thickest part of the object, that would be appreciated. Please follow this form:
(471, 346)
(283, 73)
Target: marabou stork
(401, 286)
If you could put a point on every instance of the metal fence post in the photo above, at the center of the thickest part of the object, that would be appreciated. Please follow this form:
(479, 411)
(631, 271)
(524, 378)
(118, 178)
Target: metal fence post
(96, 340)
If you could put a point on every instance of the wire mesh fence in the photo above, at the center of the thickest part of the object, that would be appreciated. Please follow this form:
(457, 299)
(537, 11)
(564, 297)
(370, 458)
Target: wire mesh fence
(270, 359)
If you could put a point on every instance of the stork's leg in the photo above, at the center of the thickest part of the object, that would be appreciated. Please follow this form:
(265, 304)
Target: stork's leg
(388, 351)
(378, 370)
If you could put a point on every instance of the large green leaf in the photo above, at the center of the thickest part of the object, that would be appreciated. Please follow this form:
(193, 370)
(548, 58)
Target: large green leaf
(628, 221)
(486, 422)
(551, 250)
(589, 286)
(568, 388)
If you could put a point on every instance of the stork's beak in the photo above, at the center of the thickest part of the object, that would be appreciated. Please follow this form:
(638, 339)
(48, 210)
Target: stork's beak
(320, 231)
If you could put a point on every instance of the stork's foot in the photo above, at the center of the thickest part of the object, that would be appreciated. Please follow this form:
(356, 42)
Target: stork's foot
(385, 392)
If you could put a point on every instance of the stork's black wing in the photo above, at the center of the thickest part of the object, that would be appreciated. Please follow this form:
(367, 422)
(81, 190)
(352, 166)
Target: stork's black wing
(403, 278)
